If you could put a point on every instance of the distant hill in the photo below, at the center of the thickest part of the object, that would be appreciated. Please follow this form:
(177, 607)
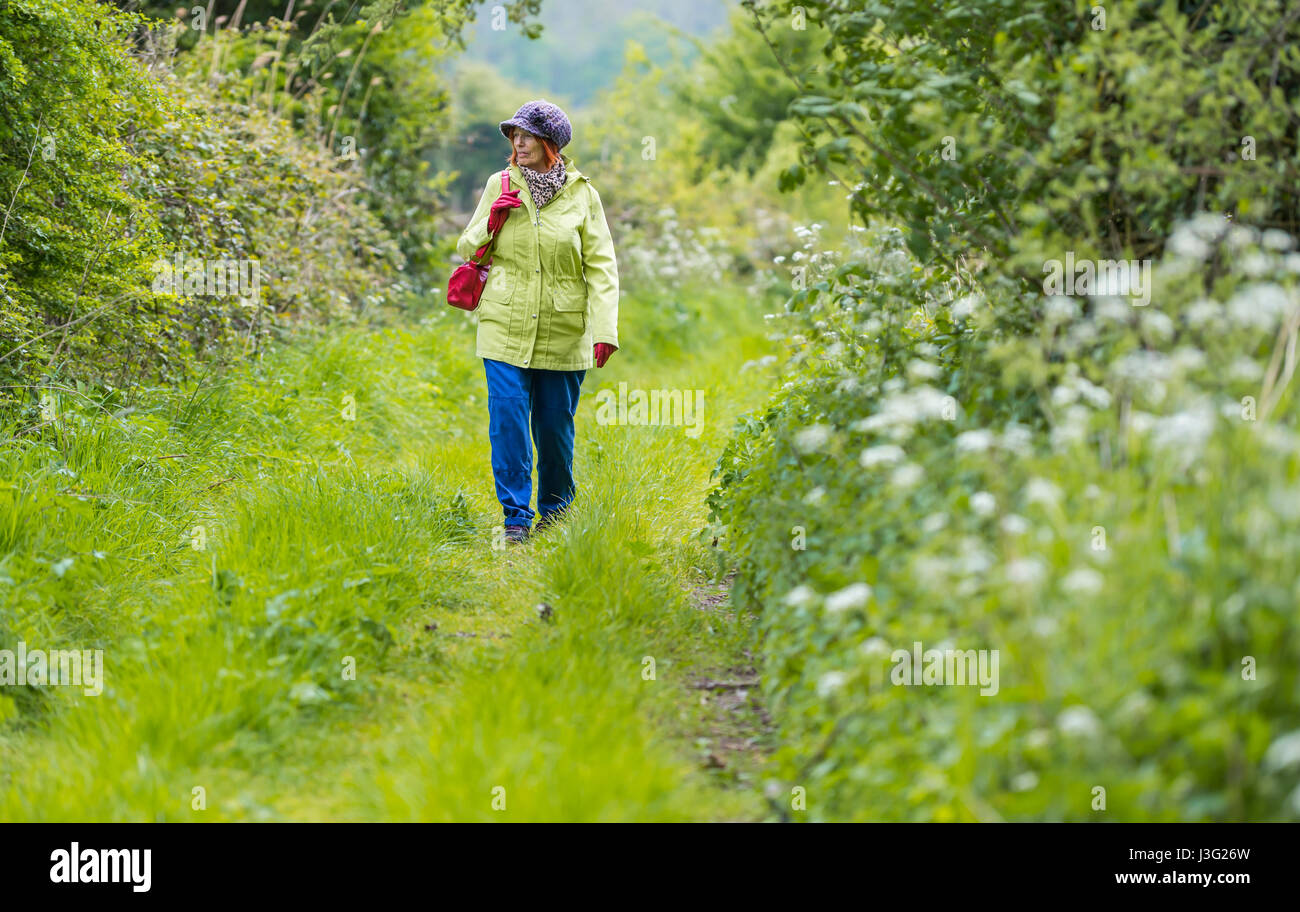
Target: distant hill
(581, 47)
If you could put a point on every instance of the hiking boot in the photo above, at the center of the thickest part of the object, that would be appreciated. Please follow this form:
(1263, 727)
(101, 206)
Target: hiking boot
(516, 534)
(550, 519)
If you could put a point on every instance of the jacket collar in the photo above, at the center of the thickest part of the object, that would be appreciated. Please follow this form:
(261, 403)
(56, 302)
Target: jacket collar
(571, 176)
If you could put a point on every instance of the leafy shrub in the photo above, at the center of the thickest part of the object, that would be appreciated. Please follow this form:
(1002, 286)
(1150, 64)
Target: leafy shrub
(1029, 128)
(1130, 554)
(111, 163)
(75, 241)
(1102, 493)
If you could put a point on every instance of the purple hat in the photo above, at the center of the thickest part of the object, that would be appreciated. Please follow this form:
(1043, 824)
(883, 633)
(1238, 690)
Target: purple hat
(541, 118)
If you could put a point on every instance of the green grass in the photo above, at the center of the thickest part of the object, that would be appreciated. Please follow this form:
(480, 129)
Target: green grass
(331, 544)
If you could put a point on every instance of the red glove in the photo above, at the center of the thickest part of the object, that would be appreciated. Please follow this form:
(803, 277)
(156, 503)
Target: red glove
(501, 207)
(602, 351)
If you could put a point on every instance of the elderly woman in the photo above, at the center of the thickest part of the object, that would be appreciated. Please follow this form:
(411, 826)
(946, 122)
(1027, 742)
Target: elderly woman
(549, 311)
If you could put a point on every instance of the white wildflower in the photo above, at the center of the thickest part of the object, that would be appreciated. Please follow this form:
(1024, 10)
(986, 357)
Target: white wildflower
(1083, 581)
(1016, 438)
(1096, 396)
(1144, 367)
(1112, 310)
(929, 402)
(1064, 395)
(1014, 524)
(875, 649)
(1158, 325)
(850, 597)
(1042, 491)
(1079, 722)
(1061, 309)
(930, 571)
(1278, 439)
(1135, 706)
(974, 441)
(813, 438)
(1273, 239)
(934, 523)
(982, 503)
(900, 409)
(964, 306)
(1185, 432)
(1141, 422)
(1044, 626)
(1071, 429)
(1259, 306)
(1025, 782)
(1203, 312)
(800, 596)
(1025, 571)
(1239, 237)
(830, 682)
(885, 454)
(1284, 753)
(1081, 334)
(1191, 240)
(923, 370)
(974, 559)
(1245, 370)
(907, 475)
(1188, 359)
(1256, 264)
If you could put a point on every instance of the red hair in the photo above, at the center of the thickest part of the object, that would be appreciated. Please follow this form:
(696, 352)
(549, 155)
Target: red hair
(548, 149)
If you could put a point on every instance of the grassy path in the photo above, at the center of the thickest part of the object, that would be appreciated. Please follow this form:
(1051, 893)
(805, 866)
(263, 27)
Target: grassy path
(290, 573)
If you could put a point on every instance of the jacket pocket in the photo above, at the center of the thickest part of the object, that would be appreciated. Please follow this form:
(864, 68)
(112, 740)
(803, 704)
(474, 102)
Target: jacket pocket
(570, 296)
(500, 285)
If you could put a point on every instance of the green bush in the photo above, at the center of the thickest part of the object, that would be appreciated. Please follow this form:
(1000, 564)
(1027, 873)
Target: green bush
(1130, 555)
(75, 242)
(1029, 128)
(1099, 489)
(111, 164)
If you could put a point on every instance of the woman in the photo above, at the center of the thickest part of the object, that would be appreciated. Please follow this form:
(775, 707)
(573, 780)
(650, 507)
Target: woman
(548, 312)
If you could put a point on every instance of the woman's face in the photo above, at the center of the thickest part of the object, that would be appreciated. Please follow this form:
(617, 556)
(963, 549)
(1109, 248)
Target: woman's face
(528, 149)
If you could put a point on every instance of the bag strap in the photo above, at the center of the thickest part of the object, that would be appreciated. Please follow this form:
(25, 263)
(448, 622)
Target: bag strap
(478, 254)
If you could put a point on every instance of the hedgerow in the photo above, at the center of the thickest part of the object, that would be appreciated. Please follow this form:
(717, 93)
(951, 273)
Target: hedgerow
(112, 164)
(1098, 489)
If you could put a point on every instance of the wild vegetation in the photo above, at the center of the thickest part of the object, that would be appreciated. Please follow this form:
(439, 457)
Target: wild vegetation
(994, 315)
(1099, 488)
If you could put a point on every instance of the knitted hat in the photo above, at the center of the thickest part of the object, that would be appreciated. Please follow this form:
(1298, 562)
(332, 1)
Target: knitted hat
(541, 118)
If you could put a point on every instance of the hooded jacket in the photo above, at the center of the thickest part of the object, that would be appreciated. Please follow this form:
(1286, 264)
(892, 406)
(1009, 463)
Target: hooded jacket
(552, 291)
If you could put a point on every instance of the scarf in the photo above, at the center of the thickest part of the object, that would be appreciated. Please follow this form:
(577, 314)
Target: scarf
(543, 185)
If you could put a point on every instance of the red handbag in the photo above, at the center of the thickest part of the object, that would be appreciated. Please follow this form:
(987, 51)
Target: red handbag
(467, 281)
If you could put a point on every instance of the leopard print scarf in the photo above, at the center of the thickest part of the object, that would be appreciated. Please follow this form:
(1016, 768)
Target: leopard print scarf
(543, 185)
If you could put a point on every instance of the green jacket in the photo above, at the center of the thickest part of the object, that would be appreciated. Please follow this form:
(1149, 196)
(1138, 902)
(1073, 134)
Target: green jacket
(552, 291)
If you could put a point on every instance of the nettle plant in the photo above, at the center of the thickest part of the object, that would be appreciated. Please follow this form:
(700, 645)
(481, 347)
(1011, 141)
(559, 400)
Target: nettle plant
(1110, 502)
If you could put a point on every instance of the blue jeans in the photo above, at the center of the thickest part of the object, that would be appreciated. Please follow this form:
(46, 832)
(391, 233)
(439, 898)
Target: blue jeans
(546, 400)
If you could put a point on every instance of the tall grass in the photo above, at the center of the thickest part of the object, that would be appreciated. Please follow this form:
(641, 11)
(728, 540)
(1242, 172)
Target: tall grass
(289, 569)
